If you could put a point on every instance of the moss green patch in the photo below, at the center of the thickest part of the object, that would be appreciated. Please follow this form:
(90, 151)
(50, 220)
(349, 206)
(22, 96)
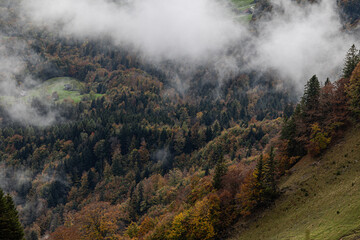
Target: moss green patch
(242, 6)
(56, 90)
(243, 3)
(331, 207)
(64, 88)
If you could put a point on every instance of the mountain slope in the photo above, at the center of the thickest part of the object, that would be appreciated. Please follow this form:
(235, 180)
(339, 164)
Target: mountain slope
(321, 196)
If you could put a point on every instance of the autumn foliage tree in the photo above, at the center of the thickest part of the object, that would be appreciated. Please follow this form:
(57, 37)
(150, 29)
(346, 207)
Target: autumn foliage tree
(197, 223)
(95, 221)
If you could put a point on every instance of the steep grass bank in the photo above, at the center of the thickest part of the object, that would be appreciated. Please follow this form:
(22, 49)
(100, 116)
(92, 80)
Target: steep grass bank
(321, 198)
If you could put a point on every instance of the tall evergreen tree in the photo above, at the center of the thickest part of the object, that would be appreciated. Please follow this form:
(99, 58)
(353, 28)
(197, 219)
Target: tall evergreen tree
(351, 60)
(311, 93)
(353, 87)
(259, 187)
(220, 168)
(10, 226)
(327, 82)
(259, 169)
(270, 178)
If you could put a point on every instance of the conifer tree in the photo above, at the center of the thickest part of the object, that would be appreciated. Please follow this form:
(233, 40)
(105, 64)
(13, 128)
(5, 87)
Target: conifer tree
(271, 171)
(136, 197)
(353, 88)
(259, 170)
(10, 226)
(269, 178)
(327, 82)
(259, 180)
(311, 93)
(351, 60)
(117, 165)
(220, 168)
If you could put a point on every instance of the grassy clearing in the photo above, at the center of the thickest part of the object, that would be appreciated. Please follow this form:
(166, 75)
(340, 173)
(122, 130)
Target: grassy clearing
(321, 196)
(241, 7)
(58, 85)
(51, 86)
(243, 3)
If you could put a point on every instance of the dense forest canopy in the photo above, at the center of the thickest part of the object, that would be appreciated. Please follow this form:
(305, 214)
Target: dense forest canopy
(101, 140)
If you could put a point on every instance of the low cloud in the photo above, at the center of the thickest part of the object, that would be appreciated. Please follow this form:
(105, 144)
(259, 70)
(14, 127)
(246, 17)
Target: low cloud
(302, 40)
(177, 37)
(297, 42)
(160, 29)
(15, 81)
(20, 181)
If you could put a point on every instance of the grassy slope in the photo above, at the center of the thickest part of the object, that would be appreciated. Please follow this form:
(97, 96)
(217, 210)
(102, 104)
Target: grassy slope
(57, 85)
(243, 5)
(321, 196)
(46, 89)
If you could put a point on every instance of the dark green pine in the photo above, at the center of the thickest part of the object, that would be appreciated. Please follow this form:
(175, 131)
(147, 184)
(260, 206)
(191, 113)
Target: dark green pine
(10, 226)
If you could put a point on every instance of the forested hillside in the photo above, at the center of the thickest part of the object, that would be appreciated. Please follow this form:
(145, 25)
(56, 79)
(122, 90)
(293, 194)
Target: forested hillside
(98, 143)
(319, 194)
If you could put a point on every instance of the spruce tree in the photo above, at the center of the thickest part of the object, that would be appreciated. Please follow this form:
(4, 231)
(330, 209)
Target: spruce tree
(351, 60)
(311, 93)
(327, 82)
(117, 165)
(259, 188)
(220, 168)
(259, 170)
(353, 93)
(269, 178)
(259, 177)
(220, 171)
(10, 226)
(271, 171)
